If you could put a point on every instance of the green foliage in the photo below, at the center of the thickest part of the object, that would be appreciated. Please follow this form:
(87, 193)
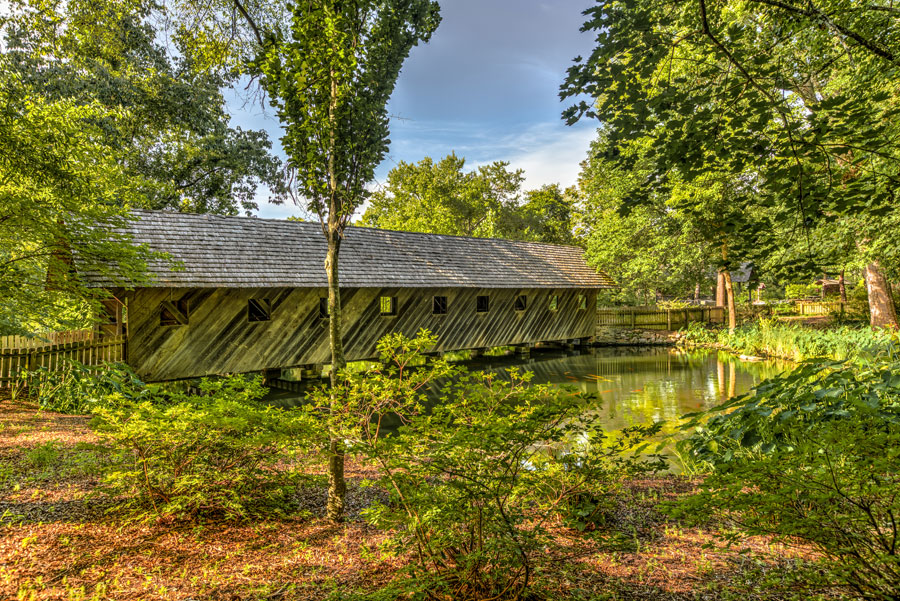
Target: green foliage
(212, 455)
(479, 471)
(171, 131)
(802, 290)
(42, 456)
(812, 456)
(330, 79)
(768, 420)
(797, 342)
(80, 389)
(441, 198)
(651, 249)
(60, 193)
(768, 99)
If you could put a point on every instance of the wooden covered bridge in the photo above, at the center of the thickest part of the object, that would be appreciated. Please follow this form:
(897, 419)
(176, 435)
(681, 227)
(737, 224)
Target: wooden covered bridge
(244, 294)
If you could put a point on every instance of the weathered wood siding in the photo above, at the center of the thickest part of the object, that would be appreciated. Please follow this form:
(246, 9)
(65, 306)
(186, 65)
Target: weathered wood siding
(220, 339)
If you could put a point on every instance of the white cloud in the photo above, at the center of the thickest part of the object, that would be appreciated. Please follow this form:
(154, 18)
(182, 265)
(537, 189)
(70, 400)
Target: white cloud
(549, 153)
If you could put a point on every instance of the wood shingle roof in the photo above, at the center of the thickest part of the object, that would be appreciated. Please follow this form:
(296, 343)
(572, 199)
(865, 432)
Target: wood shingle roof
(213, 251)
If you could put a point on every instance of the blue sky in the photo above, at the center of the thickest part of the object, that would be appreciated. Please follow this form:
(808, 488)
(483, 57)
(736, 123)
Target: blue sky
(485, 87)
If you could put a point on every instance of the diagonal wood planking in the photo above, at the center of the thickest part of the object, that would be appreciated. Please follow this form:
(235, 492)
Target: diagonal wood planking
(220, 339)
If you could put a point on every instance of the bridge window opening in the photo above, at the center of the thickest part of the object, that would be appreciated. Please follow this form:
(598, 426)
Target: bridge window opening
(582, 302)
(259, 309)
(439, 305)
(174, 313)
(521, 303)
(323, 308)
(388, 305)
(482, 304)
(554, 302)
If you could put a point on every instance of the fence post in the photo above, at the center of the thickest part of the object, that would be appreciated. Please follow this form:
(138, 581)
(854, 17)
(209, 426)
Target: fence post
(632, 318)
(669, 319)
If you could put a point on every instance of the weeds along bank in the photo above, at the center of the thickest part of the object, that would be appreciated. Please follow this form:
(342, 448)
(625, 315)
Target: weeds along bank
(505, 490)
(772, 338)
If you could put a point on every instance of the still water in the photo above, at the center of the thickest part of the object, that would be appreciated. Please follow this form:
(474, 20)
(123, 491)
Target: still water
(644, 384)
(633, 384)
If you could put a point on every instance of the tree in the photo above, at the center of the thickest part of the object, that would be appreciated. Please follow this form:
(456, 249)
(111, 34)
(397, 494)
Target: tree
(61, 197)
(663, 246)
(798, 94)
(548, 214)
(174, 139)
(442, 198)
(330, 79)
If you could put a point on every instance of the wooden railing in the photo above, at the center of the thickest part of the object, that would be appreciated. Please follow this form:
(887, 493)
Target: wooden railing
(17, 361)
(45, 339)
(820, 307)
(657, 319)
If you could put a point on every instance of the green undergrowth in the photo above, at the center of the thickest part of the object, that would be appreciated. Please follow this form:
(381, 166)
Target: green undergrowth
(797, 342)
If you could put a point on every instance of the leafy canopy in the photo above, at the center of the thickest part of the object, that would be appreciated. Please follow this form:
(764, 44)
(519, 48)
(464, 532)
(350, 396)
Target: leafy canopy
(330, 79)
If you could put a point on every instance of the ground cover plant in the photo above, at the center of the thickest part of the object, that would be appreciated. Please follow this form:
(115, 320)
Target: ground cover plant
(811, 457)
(182, 456)
(796, 342)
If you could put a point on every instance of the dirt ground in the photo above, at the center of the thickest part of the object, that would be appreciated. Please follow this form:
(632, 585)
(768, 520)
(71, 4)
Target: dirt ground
(59, 539)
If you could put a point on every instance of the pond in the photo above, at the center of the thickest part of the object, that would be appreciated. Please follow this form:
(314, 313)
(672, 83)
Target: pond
(633, 384)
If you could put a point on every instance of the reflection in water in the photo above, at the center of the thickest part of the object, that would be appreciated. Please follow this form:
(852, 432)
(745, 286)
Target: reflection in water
(636, 384)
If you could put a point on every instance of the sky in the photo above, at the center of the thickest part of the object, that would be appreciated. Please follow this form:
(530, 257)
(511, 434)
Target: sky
(485, 87)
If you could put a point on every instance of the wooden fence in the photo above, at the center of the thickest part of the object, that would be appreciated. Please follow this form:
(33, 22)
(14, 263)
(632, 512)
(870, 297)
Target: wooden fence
(16, 361)
(45, 339)
(820, 307)
(652, 318)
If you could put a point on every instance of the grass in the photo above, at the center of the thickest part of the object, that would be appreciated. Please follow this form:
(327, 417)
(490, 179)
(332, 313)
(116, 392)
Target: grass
(797, 341)
(57, 541)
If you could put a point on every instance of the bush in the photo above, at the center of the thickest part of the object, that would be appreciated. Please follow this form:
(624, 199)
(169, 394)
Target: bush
(813, 456)
(216, 454)
(79, 389)
(475, 482)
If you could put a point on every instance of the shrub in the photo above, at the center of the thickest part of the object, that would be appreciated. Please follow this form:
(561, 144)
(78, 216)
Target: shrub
(79, 389)
(475, 481)
(216, 454)
(813, 456)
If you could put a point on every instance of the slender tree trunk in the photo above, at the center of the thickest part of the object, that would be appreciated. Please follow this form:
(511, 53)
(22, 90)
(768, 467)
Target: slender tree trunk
(843, 286)
(882, 313)
(824, 280)
(720, 289)
(729, 300)
(697, 292)
(729, 290)
(337, 486)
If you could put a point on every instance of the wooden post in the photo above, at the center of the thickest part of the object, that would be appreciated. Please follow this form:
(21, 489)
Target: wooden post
(632, 318)
(669, 319)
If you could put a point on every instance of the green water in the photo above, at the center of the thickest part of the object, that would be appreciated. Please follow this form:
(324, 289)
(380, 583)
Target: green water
(643, 384)
(633, 384)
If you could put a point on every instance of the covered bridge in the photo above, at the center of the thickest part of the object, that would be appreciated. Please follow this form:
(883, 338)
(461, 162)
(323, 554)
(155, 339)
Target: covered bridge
(244, 294)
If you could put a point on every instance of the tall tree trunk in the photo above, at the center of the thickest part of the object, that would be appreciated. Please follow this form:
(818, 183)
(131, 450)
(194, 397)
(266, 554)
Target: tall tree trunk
(729, 290)
(337, 486)
(824, 280)
(720, 289)
(882, 313)
(697, 292)
(842, 285)
(729, 301)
